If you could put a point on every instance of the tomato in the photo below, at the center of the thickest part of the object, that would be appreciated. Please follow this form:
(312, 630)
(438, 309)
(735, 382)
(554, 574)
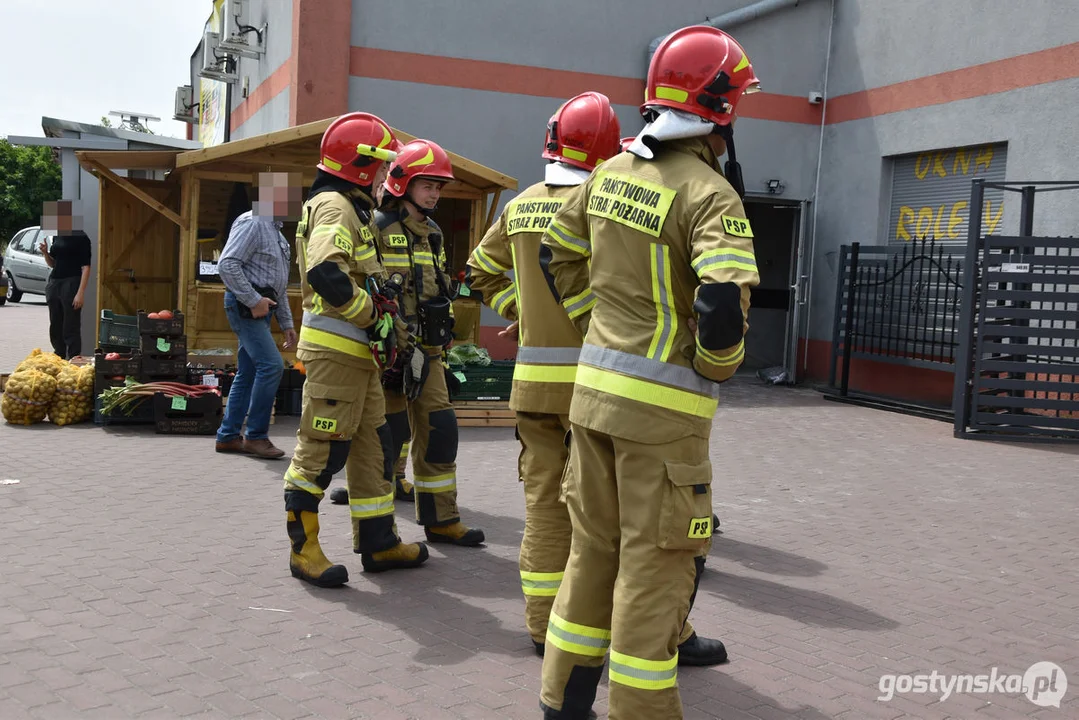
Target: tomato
(113, 356)
(165, 315)
(153, 316)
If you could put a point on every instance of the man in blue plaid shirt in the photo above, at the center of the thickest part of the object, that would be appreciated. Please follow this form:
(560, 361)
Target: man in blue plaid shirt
(255, 268)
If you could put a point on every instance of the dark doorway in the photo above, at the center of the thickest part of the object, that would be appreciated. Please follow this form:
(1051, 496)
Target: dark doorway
(773, 317)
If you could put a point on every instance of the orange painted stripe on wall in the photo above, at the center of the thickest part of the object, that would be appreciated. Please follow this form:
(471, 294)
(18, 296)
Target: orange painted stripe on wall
(267, 90)
(1036, 68)
(544, 82)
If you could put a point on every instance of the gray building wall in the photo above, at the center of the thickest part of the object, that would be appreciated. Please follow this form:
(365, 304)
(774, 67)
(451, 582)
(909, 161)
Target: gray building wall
(277, 14)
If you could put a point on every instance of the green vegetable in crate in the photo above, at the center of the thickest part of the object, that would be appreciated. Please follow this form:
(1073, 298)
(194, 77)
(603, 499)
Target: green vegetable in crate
(27, 396)
(127, 397)
(468, 354)
(73, 401)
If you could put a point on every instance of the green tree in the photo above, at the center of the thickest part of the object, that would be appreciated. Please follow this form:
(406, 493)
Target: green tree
(29, 177)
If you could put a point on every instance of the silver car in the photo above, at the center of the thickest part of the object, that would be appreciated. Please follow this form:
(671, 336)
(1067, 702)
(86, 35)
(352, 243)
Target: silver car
(24, 264)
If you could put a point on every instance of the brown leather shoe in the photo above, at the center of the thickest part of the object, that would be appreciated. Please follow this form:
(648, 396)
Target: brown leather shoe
(263, 449)
(231, 446)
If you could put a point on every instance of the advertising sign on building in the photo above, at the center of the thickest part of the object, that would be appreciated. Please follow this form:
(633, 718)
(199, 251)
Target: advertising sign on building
(931, 192)
(213, 114)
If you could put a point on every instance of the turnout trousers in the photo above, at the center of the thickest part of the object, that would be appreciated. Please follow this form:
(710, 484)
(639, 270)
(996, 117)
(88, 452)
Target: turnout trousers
(430, 423)
(343, 426)
(641, 516)
(544, 439)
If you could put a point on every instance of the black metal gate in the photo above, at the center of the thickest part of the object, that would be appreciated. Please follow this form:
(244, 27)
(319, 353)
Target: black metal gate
(898, 306)
(1017, 370)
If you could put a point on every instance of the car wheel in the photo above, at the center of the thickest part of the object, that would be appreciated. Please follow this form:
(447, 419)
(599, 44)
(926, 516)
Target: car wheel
(13, 294)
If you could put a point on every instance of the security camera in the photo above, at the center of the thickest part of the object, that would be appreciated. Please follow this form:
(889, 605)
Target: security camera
(816, 98)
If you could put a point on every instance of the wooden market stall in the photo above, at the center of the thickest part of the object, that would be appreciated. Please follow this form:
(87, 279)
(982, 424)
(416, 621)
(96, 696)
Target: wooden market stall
(160, 240)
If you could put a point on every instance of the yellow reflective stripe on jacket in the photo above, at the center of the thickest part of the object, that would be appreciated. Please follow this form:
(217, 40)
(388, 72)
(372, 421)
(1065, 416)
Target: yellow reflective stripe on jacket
(666, 320)
(568, 240)
(356, 306)
(319, 306)
(574, 638)
(545, 373)
(579, 304)
(362, 508)
(435, 483)
(335, 342)
(643, 674)
(649, 381)
(734, 357)
(722, 258)
(539, 584)
(404, 450)
(365, 252)
(296, 481)
(487, 263)
(395, 260)
(500, 303)
(423, 257)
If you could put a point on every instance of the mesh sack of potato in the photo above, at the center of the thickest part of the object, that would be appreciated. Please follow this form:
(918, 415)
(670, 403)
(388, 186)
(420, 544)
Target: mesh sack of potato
(73, 401)
(27, 396)
(50, 363)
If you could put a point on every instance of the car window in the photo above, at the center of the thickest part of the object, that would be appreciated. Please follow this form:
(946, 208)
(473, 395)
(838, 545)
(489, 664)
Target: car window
(31, 240)
(17, 241)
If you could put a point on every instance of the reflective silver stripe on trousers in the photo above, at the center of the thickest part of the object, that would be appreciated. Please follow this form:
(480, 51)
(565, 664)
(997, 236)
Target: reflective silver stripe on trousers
(548, 355)
(648, 369)
(652, 675)
(576, 639)
(335, 326)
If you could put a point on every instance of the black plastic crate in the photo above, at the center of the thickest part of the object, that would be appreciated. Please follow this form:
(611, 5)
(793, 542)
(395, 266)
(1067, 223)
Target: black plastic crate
(170, 369)
(129, 364)
(187, 416)
(164, 347)
(292, 379)
(214, 377)
(161, 328)
(142, 414)
(118, 333)
(289, 401)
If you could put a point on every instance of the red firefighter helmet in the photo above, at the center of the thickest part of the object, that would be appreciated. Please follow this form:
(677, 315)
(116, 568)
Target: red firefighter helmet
(418, 159)
(355, 145)
(584, 132)
(701, 70)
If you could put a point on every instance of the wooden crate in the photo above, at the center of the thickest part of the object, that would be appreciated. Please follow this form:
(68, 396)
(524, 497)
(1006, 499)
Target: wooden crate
(484, 414)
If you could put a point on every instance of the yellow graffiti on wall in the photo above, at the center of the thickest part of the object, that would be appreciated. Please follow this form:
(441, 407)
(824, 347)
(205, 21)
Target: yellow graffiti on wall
(936, 163)
(942, 222)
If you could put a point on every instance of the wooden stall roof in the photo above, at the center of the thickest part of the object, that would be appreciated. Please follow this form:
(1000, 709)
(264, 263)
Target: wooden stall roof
(294, 148)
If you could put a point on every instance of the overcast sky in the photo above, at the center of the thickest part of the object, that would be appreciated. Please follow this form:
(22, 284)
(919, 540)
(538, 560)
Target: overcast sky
(79, 59)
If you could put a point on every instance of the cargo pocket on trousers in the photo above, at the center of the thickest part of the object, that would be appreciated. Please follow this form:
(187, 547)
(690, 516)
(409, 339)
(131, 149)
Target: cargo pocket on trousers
(685, 518)
(330, 412)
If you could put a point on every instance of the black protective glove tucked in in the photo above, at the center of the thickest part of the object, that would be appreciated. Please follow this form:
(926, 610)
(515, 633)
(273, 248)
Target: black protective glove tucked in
(417, 367)
(453, 385)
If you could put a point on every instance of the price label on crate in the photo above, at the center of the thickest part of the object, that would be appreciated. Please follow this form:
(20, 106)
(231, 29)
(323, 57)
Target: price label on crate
(179, 403)
(460, 376)
(209, 380)
(1015, 267)
(163, 345)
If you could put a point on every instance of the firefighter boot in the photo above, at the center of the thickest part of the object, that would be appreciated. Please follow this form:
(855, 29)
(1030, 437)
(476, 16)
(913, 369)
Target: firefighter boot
(401, 556)
(701, 651)
(339, 496)
(456, 533)
(307, 561)
(405, 492)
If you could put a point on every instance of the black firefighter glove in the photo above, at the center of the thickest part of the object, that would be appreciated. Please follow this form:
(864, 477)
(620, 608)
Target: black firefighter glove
(417, 367)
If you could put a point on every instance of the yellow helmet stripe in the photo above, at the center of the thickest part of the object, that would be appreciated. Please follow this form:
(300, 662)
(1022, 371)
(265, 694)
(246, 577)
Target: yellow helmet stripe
(425, 160)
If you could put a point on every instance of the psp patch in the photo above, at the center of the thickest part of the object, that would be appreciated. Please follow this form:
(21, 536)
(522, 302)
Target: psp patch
(396, 240)
(739, 227)
(700, 528)
(343, 243)
(321, 424)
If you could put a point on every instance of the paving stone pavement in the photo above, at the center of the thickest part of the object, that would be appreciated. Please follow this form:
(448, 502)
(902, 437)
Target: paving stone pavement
(146, 577)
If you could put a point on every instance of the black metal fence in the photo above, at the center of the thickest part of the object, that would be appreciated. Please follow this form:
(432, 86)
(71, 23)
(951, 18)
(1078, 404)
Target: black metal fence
(1017, 373)
(896, 305)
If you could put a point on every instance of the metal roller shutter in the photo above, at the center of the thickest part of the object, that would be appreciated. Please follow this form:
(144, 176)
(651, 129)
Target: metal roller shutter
(931, 192)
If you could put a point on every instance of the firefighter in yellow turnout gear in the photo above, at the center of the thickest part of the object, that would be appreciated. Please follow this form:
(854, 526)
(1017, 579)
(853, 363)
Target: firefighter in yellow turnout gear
(581, 134)
(659, 237)
(345, 322)
(419, 408)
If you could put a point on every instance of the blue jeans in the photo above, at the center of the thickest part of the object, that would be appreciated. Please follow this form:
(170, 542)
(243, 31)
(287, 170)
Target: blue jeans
(258, 373)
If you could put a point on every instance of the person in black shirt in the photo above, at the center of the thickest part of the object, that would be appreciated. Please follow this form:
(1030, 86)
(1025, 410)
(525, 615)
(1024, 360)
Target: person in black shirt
(69, 258)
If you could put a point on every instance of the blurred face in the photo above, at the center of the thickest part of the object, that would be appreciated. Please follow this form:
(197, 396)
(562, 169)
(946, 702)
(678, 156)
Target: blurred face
(425, 193)
(280, 196)
(378, 187)
(60, 217)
